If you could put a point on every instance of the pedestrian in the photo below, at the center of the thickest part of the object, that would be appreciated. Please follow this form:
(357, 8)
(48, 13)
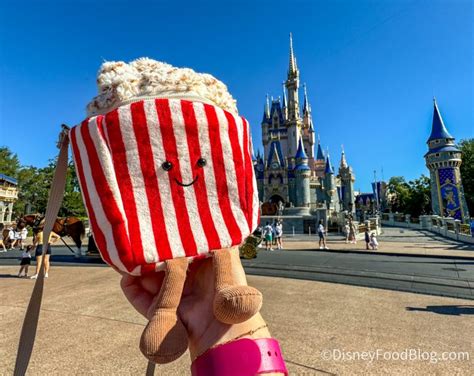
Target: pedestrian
(259, 232)
(352, 234)
(322, 235)
(274, 239)
(347, 232)
(2, 244)
(279, 234)
(367, 239)
(11, 238)
(23, 235)
(38, 243)
(267, 230)
(25, 261)
(373, 242)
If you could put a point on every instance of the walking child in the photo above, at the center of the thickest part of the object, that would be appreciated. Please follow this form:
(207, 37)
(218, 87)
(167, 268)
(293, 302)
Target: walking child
(23, 234)
(373, 242)
(25, 261)
(347, 232)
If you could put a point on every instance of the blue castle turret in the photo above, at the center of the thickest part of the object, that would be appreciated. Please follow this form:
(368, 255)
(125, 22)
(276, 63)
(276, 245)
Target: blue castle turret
(443, 159)
(329, 182)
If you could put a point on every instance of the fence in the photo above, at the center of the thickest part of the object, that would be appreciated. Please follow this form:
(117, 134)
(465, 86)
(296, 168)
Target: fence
(447, 227)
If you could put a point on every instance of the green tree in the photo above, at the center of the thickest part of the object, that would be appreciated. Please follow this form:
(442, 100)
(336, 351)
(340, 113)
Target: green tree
(33, 188)
(398, 194)
(72, 201)
(413, 197)
(467, 171)
(419, 199)
(34, 185)
(9, 162)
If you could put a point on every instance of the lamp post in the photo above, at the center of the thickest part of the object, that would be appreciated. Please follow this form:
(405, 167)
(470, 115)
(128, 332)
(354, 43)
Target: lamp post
(376, 193)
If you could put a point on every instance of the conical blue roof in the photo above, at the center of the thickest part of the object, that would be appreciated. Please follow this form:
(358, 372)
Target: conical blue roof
(438, 130)
(329, 169)
(300, 153)
(320, 154)
(276, 154)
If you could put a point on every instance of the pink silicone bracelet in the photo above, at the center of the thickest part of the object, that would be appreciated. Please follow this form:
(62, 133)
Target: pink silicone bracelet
(244, 357)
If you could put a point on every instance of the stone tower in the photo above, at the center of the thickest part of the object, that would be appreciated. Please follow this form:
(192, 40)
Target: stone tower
(443, 159)
(347, 179)
(302, 176)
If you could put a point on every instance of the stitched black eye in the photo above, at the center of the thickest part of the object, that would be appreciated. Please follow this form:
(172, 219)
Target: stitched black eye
(201, 162)
(166, 166)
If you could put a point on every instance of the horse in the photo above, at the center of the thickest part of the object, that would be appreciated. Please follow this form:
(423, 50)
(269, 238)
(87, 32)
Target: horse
(68, 226)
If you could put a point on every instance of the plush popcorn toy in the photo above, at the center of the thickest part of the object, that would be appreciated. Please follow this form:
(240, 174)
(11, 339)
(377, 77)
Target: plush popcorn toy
(165, 169)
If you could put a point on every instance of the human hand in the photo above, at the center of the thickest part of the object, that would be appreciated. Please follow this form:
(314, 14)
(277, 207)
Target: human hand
(196, 307)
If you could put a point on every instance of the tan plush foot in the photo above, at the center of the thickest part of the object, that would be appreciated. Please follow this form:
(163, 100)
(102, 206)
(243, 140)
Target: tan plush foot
(164, 338)
(235, 304)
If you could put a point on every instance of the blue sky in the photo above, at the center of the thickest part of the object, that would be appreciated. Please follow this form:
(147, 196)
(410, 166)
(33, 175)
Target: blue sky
(371, 67)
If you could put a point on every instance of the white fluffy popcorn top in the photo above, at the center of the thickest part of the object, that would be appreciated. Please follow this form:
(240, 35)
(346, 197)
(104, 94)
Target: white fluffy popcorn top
(120, 83)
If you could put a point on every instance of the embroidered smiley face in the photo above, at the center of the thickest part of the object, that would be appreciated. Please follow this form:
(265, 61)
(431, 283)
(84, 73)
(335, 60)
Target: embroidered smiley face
(168, 166)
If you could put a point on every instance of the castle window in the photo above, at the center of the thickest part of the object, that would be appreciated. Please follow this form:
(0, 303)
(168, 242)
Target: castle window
(437, 154)
(436, 141)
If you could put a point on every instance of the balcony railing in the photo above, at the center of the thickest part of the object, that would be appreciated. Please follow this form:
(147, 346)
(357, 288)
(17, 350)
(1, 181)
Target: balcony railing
(8, 193)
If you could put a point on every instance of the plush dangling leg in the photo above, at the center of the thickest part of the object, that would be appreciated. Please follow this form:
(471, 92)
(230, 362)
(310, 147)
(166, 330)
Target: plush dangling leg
(232, 303)
(165, 338)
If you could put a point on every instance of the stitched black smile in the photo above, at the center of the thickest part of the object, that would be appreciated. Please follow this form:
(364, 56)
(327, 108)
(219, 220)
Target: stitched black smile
(186, 185)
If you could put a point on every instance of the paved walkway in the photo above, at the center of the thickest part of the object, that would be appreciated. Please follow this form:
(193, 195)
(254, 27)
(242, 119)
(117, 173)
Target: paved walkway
(87, 327)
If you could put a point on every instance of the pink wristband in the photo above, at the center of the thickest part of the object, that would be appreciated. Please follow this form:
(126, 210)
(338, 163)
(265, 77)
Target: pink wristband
(244, 357)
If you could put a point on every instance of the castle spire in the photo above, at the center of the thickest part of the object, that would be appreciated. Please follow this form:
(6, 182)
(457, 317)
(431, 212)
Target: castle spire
(266, 111)
(438, 129)
(343, 158)
(292, 68)
(284, 95)
(306, 107)
(292, 84)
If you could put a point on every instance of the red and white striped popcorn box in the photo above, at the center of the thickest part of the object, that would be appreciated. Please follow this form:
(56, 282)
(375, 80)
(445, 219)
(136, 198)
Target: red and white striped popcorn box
(165, 178)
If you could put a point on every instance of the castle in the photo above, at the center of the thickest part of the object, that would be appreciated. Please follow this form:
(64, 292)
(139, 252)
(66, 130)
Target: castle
(290, 171)
(443, 159)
